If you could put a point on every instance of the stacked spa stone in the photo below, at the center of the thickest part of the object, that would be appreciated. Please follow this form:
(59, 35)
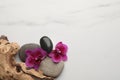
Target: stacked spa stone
(22, 50)
(48, 67)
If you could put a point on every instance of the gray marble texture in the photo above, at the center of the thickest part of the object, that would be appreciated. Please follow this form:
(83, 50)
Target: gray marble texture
(91, 29)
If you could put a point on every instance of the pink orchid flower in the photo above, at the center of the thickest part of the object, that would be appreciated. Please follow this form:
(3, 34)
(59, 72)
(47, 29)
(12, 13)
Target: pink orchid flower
(59, 54)
(34, 57)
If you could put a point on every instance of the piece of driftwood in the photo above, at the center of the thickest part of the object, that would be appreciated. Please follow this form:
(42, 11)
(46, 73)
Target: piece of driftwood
(10, 69)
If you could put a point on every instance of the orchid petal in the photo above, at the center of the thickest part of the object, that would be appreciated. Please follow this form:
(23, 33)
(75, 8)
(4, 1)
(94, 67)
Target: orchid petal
(28, 52)
(36, 66)
(56, 58)
(62, 47)
(64, 57)
(51, 54)
(29, 62)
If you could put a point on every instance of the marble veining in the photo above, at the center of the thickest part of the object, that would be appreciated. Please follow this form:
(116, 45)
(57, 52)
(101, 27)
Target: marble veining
(68, 17)
(91, 28)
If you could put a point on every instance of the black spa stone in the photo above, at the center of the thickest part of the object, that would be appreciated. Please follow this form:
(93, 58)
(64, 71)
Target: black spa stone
(46, 44)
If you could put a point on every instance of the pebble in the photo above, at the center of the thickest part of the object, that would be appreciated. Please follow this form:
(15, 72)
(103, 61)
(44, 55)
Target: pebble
(46, 44)
(22, 50)
(50, 68)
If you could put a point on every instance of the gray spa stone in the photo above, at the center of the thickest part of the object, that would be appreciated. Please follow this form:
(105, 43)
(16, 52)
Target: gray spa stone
(50, 68)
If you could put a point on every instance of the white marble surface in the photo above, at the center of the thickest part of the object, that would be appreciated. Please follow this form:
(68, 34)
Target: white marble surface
(91, 28)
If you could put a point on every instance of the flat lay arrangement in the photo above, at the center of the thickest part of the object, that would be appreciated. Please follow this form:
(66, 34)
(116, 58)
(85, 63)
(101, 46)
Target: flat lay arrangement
(38, 62)
(60, 39)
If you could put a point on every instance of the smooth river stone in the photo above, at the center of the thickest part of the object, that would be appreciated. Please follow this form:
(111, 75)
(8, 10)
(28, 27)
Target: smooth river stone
(50, 68)
(46, 44)
(22, 50)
